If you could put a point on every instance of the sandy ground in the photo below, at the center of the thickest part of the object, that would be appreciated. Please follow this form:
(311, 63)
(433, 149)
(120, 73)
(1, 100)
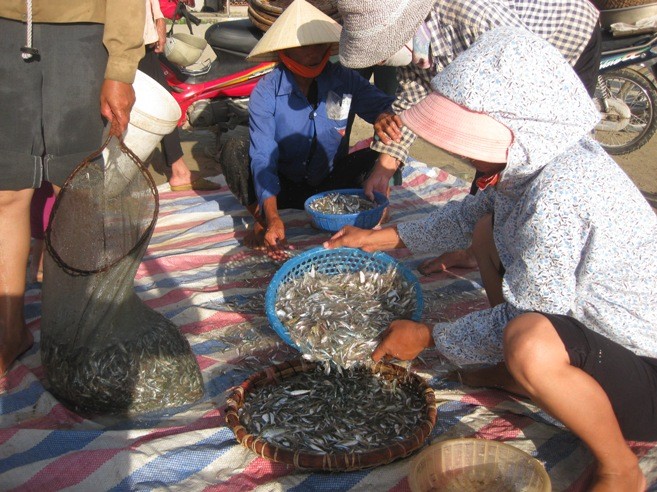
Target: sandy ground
(641, 165)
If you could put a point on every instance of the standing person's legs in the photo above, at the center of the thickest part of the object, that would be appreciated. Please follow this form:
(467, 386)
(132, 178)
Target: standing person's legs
(55, 124)
(171, 148)
(182, 178)
(20, 136)
(350, 171)
(14, 252)
(385, 78)
(587, 65)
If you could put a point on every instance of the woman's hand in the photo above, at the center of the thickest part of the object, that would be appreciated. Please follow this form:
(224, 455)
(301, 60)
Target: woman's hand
(379, 178)
(365, 239)
(275, 241)
(388, 128)
(351, 237)
(403, 340)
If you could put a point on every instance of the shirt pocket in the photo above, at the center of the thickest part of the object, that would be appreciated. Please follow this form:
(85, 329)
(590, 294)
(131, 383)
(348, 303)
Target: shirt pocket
(337, 106)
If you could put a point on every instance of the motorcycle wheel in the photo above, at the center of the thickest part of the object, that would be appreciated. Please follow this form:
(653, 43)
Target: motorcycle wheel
(631, 121)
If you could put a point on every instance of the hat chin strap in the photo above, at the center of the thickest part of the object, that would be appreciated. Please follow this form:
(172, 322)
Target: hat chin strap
(302, 70)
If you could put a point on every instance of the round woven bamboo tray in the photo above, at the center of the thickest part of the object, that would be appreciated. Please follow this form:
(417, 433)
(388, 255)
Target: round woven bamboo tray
(339, 461)
(277, 7)
(258, 19)
(619, 4)
(264, 13)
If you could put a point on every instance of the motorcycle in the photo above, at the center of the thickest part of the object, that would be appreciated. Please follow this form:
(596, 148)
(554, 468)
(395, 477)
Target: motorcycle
(625, 94)
(218, 92)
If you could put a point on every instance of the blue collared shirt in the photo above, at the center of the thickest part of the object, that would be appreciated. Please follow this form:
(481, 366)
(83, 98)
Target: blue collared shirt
(283, 123)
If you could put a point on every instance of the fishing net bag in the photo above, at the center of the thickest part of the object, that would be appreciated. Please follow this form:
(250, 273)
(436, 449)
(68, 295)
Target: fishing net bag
(104, 351)
(336, 459)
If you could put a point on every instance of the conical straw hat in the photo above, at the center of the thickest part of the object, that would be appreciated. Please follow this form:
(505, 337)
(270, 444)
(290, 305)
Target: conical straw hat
(300, 24)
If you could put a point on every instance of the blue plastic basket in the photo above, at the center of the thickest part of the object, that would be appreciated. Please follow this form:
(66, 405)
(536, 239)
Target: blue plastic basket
(333, 261)
(334, 222)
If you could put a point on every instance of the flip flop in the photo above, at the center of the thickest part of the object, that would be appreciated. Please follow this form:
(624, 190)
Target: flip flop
(199, 184)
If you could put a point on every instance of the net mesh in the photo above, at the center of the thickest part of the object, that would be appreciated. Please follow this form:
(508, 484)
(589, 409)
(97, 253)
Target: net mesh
(103, 350)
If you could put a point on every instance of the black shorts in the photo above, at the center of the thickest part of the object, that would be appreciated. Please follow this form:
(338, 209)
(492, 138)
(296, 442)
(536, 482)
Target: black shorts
(50, 106)
(629, 380)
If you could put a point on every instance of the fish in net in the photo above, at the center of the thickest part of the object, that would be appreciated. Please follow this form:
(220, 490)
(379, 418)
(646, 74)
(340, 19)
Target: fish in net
(104, 351)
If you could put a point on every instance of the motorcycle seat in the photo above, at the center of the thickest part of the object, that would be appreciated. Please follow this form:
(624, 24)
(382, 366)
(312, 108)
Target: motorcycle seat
(236, 36)
(610, 43)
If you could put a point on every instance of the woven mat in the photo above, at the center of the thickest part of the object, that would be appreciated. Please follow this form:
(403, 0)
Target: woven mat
(197, 273)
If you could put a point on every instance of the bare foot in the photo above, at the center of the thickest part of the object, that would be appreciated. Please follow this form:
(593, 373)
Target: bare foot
(180, 174)
(462, 258)
(255, 237)
(13, 346)
(630, 480)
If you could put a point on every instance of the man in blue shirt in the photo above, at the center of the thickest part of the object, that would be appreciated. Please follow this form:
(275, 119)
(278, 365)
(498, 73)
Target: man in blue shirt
(298, 115)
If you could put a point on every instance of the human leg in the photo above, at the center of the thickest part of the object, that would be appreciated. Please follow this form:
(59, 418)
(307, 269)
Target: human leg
(587, 65)
(41, 205)
(540, 363)
(181, 178)
(234, 161)
(14, 252)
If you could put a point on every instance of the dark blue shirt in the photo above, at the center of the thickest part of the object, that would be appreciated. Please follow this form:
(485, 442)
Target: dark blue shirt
(283, 123)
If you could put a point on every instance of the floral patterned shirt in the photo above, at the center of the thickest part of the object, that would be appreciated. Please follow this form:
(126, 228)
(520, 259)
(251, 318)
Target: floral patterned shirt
(575, 235)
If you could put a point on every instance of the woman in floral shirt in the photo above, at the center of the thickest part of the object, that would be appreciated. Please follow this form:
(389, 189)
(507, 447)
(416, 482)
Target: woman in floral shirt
(564, 241)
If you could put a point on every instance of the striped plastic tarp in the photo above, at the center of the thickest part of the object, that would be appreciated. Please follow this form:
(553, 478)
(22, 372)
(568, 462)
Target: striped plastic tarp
(197, 273)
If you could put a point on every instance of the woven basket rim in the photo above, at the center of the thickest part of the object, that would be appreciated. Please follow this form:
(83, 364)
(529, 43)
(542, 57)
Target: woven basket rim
(266, 6)
(436, 447)
(339, 461)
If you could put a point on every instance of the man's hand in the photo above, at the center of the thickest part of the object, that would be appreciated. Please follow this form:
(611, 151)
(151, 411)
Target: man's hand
(403, 340)
(161, 28)
(116, 101)
(379, 178)
(388, 128)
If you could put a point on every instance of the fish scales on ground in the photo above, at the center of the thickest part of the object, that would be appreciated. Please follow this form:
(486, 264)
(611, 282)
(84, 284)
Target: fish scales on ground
(340, 204)
(339, 317)
(350, 410)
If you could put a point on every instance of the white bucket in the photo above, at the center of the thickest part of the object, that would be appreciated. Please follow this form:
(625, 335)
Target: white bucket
(154, 115)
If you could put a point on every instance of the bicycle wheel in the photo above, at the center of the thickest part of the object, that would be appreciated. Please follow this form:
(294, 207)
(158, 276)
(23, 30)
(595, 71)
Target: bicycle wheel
(630, 121)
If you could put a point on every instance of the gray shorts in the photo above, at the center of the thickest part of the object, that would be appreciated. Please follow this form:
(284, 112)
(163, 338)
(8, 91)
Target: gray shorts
(50, 108)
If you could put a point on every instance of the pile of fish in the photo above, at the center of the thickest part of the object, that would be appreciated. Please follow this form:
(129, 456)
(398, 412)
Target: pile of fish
(345, 411)
(154, 371)
(339, 317)
(339, 204)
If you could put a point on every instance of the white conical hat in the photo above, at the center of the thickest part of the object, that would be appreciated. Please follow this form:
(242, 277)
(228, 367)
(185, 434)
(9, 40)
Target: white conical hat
(300, 24)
